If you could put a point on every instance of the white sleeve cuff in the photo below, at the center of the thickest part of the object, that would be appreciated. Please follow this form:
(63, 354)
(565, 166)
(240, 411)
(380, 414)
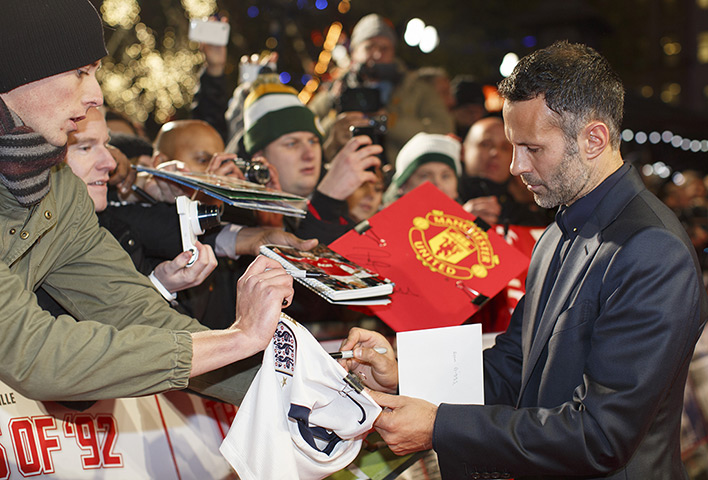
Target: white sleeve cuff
(169, 296)
(225, 244)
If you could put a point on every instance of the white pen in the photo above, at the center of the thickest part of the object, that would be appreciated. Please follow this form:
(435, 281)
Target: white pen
(350, 353)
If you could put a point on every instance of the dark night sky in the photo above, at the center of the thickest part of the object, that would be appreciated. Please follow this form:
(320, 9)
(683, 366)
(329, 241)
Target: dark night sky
(474, 37)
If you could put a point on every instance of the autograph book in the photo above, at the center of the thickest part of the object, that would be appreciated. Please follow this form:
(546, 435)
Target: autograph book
(339, 280)
(236, 192)
(443, 262)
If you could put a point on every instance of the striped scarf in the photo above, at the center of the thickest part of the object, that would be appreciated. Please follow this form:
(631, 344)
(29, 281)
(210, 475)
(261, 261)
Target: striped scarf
(25, 158)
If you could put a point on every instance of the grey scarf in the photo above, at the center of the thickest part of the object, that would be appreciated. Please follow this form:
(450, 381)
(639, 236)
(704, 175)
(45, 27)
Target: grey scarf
(25, 158)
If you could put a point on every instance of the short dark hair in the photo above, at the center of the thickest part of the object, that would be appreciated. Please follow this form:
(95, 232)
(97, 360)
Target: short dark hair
(575, 81)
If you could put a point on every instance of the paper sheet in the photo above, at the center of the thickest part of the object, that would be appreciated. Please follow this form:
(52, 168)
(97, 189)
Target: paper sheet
(442, 365)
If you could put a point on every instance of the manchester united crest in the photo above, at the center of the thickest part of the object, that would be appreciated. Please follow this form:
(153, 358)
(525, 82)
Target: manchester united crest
(452, 246)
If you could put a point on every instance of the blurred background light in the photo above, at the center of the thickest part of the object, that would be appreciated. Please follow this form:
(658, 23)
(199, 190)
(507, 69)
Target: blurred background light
(414, 32)
(508, 63)
(529, 41)
(430, 40)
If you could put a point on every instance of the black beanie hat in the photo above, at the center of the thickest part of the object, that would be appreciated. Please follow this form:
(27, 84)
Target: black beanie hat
(41, 38)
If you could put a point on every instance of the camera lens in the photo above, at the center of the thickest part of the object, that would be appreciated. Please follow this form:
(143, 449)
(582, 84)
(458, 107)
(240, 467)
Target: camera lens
(209, 216)
(254, 171)
(257, 173)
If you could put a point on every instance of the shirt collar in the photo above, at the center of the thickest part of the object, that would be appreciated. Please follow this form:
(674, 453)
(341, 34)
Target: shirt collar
(571, 219)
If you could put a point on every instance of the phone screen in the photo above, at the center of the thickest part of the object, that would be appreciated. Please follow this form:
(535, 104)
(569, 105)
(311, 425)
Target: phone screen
(210, 32)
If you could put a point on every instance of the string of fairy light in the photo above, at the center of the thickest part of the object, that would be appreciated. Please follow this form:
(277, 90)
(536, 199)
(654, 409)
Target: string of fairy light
(145, 77)
(141, 77)
(323, 61)
(668, 138)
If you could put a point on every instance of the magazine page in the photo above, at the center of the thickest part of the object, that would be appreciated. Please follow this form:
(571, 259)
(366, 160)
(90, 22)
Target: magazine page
(236, 192)
(339, 278)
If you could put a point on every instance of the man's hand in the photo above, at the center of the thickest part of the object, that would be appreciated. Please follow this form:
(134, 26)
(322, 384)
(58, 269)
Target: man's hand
(487, 208)
(124, 175)
(214, 55)
(223, 164)
(263, 290)
(163, 190)
(175, 276)
(249, 240)
(378, 371)
(349, 168)
(340, 134)
(406, 424)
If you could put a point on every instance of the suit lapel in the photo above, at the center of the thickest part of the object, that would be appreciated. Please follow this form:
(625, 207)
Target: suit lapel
(538, 269)
(571, 271)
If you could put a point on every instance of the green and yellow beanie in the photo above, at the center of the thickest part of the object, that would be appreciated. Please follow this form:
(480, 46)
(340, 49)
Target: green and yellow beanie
(424, 148)
(272, 110)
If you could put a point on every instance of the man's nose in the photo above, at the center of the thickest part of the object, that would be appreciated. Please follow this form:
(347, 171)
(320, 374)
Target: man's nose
(369, 190)
(309, 151)
(92, 95)
(519, 164)
(107, 162)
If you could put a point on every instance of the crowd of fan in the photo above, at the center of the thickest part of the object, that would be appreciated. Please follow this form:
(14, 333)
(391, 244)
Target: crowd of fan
(376, 132)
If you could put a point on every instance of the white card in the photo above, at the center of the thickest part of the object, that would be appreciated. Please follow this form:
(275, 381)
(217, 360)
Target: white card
(442, 365)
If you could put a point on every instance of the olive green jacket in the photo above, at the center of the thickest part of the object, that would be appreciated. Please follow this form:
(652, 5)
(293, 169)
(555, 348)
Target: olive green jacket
(127, 342)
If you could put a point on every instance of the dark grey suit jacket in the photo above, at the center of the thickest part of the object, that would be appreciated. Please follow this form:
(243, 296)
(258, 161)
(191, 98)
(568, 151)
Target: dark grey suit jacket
(597, 393)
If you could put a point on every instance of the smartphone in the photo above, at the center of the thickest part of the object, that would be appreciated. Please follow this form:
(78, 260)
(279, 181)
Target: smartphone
(376, 130)
(209, 31)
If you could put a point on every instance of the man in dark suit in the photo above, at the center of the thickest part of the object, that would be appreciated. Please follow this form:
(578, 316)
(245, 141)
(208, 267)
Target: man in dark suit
(588, 380)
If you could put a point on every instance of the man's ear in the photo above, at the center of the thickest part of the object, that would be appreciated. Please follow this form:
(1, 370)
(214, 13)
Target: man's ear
(596, 138)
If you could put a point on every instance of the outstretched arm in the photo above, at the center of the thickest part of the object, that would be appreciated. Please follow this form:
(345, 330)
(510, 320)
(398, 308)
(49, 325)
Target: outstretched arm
(263, 290)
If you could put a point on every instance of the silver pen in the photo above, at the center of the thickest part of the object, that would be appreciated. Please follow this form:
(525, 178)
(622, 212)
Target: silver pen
(350, 353)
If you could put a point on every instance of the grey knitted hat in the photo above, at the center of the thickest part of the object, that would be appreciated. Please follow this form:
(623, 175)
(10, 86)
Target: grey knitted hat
(41, 38)
(370, 26)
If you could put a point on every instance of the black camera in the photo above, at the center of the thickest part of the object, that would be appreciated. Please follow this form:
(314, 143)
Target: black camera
(376, 130)
(360, 99)
(253, 170)
(378, 72)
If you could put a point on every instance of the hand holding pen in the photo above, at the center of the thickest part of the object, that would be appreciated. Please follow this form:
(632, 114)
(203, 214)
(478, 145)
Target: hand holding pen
(344, 354)
(372, 359)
